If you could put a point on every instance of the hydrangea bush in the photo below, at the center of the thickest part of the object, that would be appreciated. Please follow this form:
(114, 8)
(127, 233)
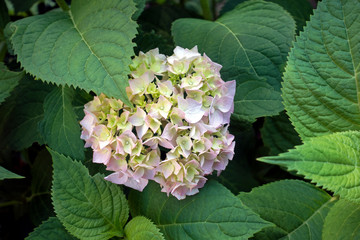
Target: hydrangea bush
(175, 133)
(156, 127)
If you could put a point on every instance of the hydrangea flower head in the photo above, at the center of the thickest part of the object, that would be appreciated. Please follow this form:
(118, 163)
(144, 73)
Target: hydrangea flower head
(176, 134)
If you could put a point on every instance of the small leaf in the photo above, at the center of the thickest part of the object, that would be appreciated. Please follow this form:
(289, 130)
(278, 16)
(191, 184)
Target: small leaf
(8, 81)
(22, 5)
(50, 229)
(89, 46)
(6, 174)
(60, 128)
(331, 161)
(214, 213)
(140, 228)
(343, 221)
(251, 43)
(88, 207)
(278, 134)
(297, 208)
(321, 82)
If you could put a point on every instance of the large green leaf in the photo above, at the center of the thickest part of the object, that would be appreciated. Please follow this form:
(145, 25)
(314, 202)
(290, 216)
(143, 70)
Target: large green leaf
(300, 10)
(278, 134)
(298, 209)
(50, 229)
(60, 128)
(343, 221)
(89, 46)
(321, 82)
(331, 161)
(6, 174)
(251, 43)
(140, 228)
(8, 81)
(88, 207)
(214, 213)
(21, 129)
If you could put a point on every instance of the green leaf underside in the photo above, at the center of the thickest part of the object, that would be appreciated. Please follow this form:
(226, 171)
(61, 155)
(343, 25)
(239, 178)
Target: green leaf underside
(8, 81)
(50, 229)
(321, 81)
(278, 134)
(22, 127)
(89, 46)
(141, 228)
(214, 213)
(251, 43)
(6, 174)
(297, 208)
(342, 221)
(331, 161)
(88, 207)
(60, 128)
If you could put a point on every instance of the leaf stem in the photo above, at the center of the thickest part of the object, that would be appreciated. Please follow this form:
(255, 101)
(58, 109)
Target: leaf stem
(63, 5)
(28, 199)
(207, 14)
(10, 203)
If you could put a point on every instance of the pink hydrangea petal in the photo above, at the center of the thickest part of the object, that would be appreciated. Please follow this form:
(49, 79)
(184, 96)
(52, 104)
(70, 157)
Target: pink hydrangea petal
(224, 104)
(169, 132)
(138, 118)
(192, 109)
(141, 130)
(102, 155)
(125, 179)
(216, 118)
(88, 122)
(228, 88)
(139, 85)
(117, 177)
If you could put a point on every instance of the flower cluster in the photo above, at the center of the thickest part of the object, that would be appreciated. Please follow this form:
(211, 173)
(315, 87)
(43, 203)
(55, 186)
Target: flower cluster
(176, 132)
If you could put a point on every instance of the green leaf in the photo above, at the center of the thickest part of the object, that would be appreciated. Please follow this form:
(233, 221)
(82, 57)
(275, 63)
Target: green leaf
(343, 221)
(50, 229)
(22, 127)
(300, 10)
(60, 128)
(140, 228)
(239, 175)
(8, 81)
(251, 43)
(88, 207)
(331, 161)
(6, 174)
(278, 134)
(22, 5)
(214, 213)
(41, 177)
(297, 208)
(321, 82)
(4, 16)
(89, 46)
(140, 5)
